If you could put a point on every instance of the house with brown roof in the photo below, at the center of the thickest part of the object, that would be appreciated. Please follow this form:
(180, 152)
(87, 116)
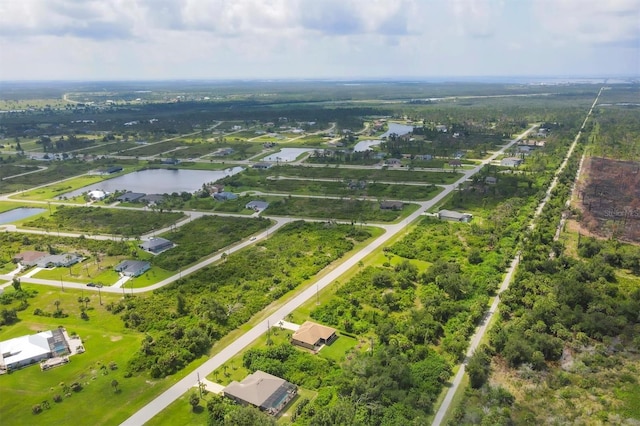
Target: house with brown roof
(311, 335)
(29, 258)
(262, 390)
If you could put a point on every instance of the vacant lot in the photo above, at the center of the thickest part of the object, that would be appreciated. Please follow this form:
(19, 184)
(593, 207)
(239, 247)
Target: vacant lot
(98, 220)
(610, 198)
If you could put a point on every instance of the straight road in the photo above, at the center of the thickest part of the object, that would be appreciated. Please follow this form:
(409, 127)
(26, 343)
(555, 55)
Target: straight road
(482, 328)
(147, 412)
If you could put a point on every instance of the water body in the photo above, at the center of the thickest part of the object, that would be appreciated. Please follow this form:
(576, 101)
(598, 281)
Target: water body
(286, 155)
(398, 129)
(158, 181)
(365, 145)
(19, 213)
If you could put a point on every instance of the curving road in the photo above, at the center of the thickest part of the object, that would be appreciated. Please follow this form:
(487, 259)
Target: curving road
(158, 404)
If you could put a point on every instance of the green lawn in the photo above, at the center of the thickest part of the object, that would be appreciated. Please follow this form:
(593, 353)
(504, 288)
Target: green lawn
(50, 192)
(337, 350)
(105, 339)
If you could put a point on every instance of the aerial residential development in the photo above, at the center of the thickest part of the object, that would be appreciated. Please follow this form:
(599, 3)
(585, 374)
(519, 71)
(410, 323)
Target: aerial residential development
(319, 213)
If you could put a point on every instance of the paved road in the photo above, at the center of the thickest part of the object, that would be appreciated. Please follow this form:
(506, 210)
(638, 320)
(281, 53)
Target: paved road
(482, 328)
(280, 221)
(154, 407)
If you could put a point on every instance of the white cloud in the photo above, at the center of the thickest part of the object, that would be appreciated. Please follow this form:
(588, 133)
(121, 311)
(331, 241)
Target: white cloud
(477, 18)
(102, 39)
(595, 22)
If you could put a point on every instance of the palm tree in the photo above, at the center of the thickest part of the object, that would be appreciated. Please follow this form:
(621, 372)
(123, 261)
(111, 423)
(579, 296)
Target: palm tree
(57, 303)
(114, 385)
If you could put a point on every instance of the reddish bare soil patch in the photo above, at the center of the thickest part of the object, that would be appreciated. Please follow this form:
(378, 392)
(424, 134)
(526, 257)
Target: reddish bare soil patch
(610, 198)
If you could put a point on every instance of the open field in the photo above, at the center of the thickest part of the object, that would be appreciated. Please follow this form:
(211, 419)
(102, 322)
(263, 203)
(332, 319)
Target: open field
(105, 340)
(356, 211)
(370, 175)
(98, 220)
(278, 185)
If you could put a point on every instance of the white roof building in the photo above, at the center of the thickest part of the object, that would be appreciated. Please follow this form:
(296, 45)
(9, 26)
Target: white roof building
(26, 350)
(97, 194)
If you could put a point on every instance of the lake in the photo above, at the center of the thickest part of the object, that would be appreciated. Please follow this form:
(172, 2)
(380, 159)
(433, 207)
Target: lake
(365, 145)
(286, 154)
(398, 129)
(158, 181)
(19, 213)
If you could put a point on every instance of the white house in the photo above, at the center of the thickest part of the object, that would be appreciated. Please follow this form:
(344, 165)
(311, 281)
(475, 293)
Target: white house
(97, 194)
(26, 350)
(454, 216)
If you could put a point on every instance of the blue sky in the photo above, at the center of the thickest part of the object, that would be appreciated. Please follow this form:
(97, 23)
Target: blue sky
(221, 39)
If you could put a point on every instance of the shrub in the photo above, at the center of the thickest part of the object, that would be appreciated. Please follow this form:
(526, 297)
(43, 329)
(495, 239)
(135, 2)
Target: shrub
(36, 409)
(57, 398)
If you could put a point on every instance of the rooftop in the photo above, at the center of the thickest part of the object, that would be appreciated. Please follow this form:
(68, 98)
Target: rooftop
(310, 332)
(260, 389)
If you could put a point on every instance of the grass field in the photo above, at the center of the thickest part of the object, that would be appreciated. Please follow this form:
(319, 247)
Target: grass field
(50, 192)
(105, 340)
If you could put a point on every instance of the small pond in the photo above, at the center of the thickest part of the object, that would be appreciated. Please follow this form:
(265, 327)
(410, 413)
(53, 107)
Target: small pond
(158, 181)
(365, 145)
(286, 155)
(398, 129)
(19, 213)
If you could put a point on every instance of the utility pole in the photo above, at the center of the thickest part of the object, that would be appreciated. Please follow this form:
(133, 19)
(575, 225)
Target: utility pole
(199, 384)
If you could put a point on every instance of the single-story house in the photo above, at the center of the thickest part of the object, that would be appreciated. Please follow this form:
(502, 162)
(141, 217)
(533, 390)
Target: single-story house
(424, 157)
(97, 194)
(393, 162)
(152, 198)
(526, 149)
(171, 161)
(441, 128)
(113, 169)
(257, 205)
(130, 197)
(490, 180)
(26, 350)
(215, 188)
(132, 268)
(262, 166)
(311, 335)
(455, 163)
(511, 162)
(59, 260)
(454, 216)
(156, 245)
(262, 390)
(29, 258)
(391, 205)
(224, 196)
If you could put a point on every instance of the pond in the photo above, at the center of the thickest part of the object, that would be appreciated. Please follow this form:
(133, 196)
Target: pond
(398, 129)
(286, 154)
(365, 145)
(19, 213)
(158, 181)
